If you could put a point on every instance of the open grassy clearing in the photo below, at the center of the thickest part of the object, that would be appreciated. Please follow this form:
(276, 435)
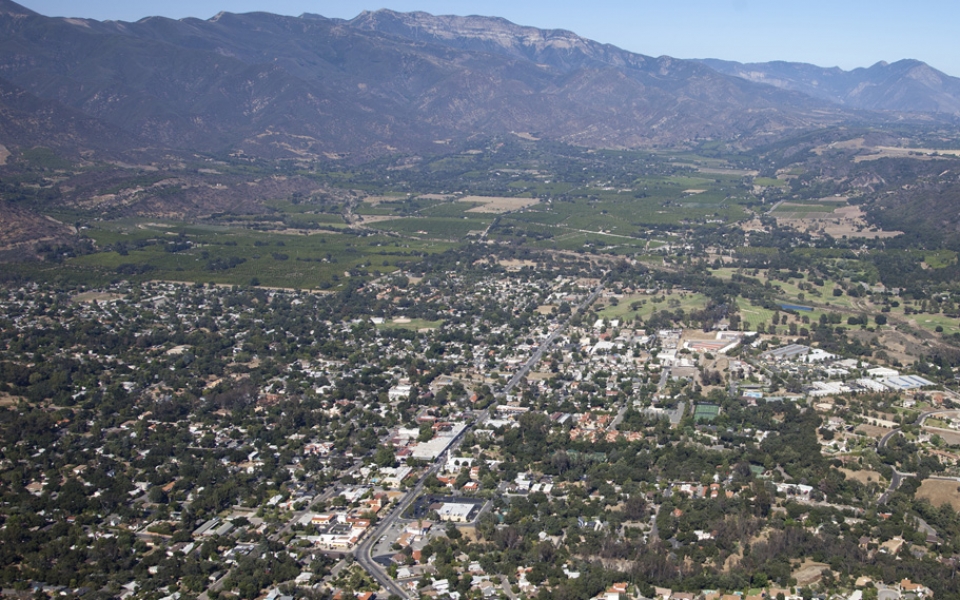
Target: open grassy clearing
(838, 222)
(931, 322)
(95, 296)
(879, 152)
(810, 572)
(497, 205)
(940, 259)
(385, 197)
(940, 492)
(644, 305)
(863, 476)
(402, 205)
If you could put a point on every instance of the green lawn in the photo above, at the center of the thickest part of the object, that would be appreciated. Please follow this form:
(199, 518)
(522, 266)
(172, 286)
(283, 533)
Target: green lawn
(644, 305)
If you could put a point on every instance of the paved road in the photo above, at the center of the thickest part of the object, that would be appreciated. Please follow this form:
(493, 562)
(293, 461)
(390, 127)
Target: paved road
(898, 477)
(547, 343)
(362, 552)
(619, 418)
(654, 530)
(934, 413)
(895, 482)
(505, 586)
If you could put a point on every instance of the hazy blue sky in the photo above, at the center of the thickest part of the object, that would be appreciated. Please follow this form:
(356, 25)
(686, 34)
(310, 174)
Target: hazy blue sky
(844, 33)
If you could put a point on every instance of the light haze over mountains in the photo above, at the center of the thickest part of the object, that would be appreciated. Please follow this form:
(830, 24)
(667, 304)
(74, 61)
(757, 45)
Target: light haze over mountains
(385, 82)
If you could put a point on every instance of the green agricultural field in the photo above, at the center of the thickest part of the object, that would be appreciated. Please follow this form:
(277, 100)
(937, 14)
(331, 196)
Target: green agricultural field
(597, 242)
(689, 182)
(770, 182)
(313, 219)
(436, 227)
(451, 209)
(634, 212)
(540, 189)
(382, 209)
(538, 215)
(141, 251)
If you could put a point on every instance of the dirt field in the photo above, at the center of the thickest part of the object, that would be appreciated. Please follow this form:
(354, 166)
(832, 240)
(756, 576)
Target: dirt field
(917, 153)
(864, 476)
(940, 492)
(515, 265)
(8, 400)
(539, 376)
(844, 221)
(809, 572)
(897, 344)
(498, 205)
(877, 152)
(950, 436)
(525, 136)
(873, 432)
(545, 309)
(374, 200)
(87, 297)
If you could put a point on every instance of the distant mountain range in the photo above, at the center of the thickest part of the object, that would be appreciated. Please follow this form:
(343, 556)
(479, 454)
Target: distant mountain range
(905, 86)
(384, 82)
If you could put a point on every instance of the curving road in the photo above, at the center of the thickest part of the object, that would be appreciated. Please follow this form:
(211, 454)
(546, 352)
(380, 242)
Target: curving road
(362, 551)
(898, 477)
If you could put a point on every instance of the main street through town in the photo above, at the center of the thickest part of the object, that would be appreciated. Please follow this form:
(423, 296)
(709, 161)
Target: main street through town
(363, 551)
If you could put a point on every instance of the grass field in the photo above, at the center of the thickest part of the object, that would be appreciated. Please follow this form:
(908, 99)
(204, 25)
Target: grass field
(940, 259)
(940, 492)
(863, 476)
(931, 322)
(643, 305)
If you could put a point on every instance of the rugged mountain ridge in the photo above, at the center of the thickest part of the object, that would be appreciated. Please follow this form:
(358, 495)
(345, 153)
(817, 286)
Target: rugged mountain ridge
(312, 87)
(384, 82)
(904, 86)
(27, 121)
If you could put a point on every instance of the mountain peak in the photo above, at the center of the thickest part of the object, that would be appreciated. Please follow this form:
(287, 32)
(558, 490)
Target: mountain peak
(12, 9)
